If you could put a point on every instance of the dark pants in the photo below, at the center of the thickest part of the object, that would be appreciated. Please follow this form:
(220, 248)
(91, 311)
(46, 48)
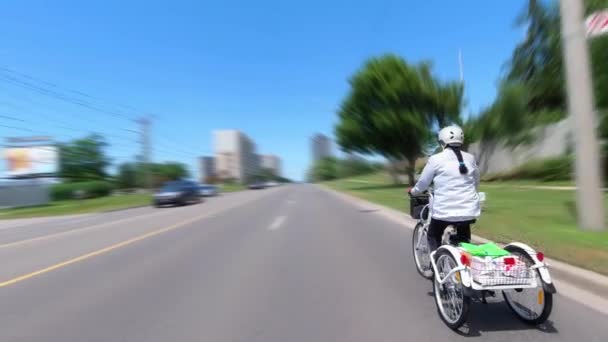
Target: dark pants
(437, 227)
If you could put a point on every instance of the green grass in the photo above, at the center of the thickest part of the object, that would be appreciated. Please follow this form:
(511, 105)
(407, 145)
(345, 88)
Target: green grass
(545, 219)
(529, 183)
(231, 187)
(68, 207)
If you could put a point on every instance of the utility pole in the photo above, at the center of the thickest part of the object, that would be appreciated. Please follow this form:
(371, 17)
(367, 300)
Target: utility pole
(460, 66)
(463, 105)
(589, 201)
(145, 123)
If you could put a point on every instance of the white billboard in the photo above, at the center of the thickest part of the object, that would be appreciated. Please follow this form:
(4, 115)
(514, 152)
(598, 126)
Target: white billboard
(31, 160)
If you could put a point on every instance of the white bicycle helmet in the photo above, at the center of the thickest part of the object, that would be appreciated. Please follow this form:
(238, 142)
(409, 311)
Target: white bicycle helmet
(451, 135)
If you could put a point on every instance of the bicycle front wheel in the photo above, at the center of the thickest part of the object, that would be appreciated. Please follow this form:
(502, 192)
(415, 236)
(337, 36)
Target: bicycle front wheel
(420, 248)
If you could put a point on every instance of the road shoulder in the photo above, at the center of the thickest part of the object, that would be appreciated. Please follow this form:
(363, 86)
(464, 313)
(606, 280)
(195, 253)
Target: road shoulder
(583, 286)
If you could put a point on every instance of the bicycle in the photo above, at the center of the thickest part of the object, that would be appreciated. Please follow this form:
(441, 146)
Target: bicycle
(458, 276)
(420, 209)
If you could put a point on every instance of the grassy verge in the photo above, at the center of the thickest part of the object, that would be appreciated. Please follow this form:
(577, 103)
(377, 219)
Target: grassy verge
(78, 207)
(531, 183)
(545, 219)
(232, 187)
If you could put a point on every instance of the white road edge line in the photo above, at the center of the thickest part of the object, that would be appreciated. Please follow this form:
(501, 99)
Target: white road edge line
(278, 221)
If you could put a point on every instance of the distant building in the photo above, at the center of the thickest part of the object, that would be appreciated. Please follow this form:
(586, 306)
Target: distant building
(321, 147)
(235, 156)
(258, 162)
(272, 162)
(206, 168)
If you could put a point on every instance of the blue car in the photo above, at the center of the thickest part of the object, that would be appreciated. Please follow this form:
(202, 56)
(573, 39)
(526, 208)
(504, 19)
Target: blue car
(207, 190)
(177, 193)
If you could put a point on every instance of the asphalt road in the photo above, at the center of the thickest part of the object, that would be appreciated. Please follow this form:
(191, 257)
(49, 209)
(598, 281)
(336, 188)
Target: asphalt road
(293, 263)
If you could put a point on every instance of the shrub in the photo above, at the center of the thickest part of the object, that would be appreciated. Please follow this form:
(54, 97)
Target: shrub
(550, 169)
(91, 189)
(353, 167)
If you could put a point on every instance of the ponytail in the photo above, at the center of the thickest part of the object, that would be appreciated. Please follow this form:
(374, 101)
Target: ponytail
(462, 167)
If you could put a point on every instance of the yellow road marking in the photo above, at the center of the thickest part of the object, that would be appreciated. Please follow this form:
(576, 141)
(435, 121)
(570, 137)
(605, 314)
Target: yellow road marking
(100, 251)
(76, 230)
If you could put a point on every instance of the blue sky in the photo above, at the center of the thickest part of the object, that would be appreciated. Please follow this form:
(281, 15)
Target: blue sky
(275, 69)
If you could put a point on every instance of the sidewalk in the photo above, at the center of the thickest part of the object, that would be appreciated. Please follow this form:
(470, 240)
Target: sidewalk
(583, 286)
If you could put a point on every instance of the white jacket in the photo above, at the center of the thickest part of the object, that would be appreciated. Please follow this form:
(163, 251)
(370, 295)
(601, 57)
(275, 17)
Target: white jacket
(455, 195)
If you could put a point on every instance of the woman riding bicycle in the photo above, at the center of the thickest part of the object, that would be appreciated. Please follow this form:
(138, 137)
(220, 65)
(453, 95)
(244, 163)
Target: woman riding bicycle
(455, 179)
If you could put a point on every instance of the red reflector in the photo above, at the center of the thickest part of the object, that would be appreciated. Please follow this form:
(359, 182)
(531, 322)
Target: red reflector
(509, 261)
(464, 259)
(540, 256)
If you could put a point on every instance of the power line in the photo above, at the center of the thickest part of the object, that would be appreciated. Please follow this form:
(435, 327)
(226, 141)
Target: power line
(45, 113)
(191, 155)
(77, 92)
(21, 129)
(58, 96)
(169, 151)
(63, 124)
(11, 118)
(65, 127)
(178, 149)
(41, 87)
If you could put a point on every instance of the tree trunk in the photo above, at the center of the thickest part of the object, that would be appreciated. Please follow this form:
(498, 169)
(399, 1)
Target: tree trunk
(411, 171)
(393, 172)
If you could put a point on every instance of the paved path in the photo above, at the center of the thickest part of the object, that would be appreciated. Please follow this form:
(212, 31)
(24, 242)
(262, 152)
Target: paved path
(293, 263)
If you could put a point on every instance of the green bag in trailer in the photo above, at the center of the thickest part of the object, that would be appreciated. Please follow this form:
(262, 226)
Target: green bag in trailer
(485, 250)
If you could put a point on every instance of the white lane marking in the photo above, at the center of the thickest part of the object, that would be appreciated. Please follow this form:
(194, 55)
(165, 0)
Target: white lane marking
(290, 202)
(278, 221)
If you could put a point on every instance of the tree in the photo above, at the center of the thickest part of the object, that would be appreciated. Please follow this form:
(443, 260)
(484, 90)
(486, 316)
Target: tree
(599, 56)
(83, 159)
(267, 174)
(127, 176)
(166, 172)
(537, 61)
(392, 107)
(324, 169)
(174, 171)
(161, 173)
(353, 167)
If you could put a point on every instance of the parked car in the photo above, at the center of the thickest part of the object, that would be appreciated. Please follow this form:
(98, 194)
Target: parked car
(205, 190)
(177, 193)
(256, 186)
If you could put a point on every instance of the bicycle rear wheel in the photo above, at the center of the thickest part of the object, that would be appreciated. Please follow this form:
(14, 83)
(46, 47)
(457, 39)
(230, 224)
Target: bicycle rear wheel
(452, 302)
(420, 248)
(533, 306)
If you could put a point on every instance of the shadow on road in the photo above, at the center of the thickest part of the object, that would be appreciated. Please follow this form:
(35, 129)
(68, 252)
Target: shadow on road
(496, 316)
(368, 210)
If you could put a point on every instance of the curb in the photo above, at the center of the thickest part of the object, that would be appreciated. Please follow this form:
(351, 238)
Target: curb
(581, 285)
